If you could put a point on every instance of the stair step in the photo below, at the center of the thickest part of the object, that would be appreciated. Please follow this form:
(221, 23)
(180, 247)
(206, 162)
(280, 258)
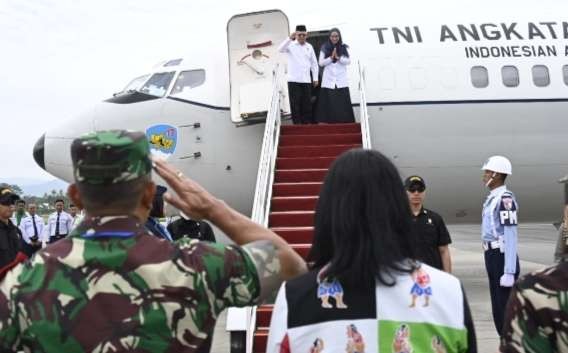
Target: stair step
(296, 189)
(318, 140)
(299, 163)
(295, 235)
(295, 203)
(302, 249)
(299, 175)
(260, 341)
(320, 129)
(314, 151)
(291, 219)
(263, 315)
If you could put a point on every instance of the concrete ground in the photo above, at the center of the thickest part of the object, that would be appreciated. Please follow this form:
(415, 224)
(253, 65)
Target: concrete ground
(536, 248)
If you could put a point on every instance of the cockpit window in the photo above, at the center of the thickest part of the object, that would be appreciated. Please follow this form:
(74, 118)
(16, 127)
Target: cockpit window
(135, 84)
(188, 79)
(174, 62)
(158, 84)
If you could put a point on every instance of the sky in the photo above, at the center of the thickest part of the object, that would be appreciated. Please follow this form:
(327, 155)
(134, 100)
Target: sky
(60, 57)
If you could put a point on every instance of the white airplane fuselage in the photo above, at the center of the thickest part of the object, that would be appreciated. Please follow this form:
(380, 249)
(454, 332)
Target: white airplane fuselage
(442, 97)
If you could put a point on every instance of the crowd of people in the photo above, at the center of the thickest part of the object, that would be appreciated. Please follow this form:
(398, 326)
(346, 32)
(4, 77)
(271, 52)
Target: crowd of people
(33, 232)
(108, 276)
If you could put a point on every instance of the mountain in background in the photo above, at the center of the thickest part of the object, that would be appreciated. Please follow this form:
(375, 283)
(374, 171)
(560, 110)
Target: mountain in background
(37, 187)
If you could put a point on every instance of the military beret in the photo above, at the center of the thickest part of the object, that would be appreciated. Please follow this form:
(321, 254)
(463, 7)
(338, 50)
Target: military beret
(110, 157)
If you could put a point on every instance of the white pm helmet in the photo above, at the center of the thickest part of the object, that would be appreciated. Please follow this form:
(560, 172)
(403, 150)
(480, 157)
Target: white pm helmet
(498, 164)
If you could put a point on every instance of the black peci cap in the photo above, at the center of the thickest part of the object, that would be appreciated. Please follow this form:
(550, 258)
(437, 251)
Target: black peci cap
(301, 28)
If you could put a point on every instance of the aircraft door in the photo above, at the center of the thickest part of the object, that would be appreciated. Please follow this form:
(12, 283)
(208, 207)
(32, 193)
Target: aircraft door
(253, 41)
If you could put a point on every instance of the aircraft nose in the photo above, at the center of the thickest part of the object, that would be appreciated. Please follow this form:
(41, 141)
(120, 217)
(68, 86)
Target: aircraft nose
(39, 152)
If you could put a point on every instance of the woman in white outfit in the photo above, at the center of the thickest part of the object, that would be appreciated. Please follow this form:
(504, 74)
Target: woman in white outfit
(334, 102)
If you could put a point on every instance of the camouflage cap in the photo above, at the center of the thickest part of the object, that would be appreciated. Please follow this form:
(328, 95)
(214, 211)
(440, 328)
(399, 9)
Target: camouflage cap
(110, 157)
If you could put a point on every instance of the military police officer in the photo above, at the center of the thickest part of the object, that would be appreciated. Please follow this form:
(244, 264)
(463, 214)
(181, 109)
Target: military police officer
(499, 235)
(111, 286)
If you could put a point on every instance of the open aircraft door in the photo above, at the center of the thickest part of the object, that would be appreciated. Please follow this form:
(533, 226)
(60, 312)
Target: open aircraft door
(253, 41)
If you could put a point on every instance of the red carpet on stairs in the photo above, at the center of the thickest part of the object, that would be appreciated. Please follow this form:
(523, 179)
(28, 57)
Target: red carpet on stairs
(304, 155)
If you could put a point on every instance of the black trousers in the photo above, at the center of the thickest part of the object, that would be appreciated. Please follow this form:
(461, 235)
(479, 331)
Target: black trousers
(494, 264)
(301, 102)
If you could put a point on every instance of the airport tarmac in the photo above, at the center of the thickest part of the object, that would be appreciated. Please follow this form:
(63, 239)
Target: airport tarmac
(536, 248)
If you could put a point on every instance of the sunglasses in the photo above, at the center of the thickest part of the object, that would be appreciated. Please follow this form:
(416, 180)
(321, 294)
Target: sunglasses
(301, 34)
(414, 189)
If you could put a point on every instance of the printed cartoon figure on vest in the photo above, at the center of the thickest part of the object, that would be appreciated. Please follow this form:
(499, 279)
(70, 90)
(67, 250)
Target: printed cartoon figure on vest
(317, 346)
(438, 345)
(401, 342)
(421, 287)
(330, 288)
(355, 342)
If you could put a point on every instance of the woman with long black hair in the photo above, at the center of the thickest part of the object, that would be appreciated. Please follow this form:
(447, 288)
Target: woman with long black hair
(364, 292)
(334, 102)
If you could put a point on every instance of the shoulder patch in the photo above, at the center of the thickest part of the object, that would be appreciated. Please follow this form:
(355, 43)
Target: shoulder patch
(508, 210)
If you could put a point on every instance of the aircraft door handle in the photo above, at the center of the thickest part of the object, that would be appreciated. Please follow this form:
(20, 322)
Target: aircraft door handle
(196, 125)
(194, 155)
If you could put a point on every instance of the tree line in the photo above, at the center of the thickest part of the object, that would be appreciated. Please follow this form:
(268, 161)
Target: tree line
(45, 203)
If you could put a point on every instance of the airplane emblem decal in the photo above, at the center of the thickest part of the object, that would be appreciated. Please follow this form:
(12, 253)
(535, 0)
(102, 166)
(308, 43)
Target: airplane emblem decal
(162, 139)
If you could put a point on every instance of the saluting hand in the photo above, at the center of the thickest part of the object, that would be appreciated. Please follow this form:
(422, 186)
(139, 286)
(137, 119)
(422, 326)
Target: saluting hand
(190, 197)
(293, 35)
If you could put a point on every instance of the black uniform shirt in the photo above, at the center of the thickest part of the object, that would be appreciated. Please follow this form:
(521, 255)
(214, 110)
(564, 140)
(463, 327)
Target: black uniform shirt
(9, 242)
(430, 232)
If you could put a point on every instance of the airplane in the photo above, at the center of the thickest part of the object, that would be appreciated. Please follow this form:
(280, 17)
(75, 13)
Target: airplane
(447, 85)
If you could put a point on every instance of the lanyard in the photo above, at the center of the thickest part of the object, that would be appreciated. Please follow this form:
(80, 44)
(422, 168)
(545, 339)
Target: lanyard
(108, 234)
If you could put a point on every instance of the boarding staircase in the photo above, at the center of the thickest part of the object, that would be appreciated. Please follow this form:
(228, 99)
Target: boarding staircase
(293, 164)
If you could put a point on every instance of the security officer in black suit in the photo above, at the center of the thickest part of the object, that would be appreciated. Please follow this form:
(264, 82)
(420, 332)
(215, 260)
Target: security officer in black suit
(10, 238)
(432, 236)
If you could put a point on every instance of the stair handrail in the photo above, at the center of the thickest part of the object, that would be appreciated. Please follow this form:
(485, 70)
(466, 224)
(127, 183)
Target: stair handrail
(263, 193)
(267, 163)
(363, 111)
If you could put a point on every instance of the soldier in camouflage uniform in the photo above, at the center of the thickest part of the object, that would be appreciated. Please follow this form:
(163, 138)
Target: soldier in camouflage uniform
(536, 320)
(112, 287)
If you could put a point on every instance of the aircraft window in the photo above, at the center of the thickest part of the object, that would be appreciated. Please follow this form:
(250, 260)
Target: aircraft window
(387, 79)
(188, 80)
(510, 76)
(565, 72)
(174, 62)
(479, 77)
(541, 78)
(418, 79)
(135, 84)
(158, 84)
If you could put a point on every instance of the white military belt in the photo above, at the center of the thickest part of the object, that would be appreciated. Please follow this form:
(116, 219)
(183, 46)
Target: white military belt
(488, 245)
